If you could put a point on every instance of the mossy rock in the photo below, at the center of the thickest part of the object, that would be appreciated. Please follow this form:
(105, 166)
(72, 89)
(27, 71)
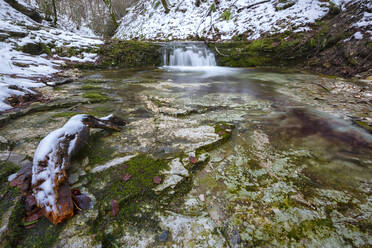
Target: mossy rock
(32, 48)
(127, 54)
(95, 96)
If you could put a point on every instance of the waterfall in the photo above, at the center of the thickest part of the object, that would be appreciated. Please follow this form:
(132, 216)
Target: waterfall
(195, 54)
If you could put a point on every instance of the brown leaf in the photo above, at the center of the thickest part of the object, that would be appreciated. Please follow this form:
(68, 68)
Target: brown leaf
(115, 208)
(156, 179)
(124, 166)
(30, 203)
(193, 160)
(126, 177)
(30, 226)
(220, 133)
(35, 216)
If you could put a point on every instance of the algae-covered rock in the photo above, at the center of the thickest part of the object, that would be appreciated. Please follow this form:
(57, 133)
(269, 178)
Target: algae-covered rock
(129, 54)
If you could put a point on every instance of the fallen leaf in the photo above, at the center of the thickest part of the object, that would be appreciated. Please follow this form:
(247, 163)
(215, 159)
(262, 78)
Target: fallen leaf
(220, 133)
(115, 208)
(193, 160)
(156, 179)
(34, 216)
(126, 177)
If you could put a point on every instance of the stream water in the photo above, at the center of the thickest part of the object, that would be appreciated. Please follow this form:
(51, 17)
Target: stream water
(292, 170)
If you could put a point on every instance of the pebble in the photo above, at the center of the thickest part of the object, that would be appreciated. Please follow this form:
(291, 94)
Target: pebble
(163, 236)
(201, 197)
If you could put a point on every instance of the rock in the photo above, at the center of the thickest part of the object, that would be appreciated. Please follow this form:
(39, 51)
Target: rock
(60, 82)
(32, 48)
(4, 36)
(163, 236)
(235, 239)
(22, 179)
(83, 201)
(15, 34)
(15, 158)
(4, 143)
(202, 197)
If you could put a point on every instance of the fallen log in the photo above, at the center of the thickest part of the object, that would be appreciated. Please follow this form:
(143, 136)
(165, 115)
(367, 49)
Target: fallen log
(52, 160)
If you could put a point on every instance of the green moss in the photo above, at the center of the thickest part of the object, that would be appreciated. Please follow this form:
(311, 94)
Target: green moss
(44, 234)
(309, 228)
(15, 232)
(7, 193)
(226, 15)
(95, 96)
(90, 87)
(132, 196)
(129, 54)
(65, 114)
(96, 150)
(364, 125)
(142, 169)
(213, 7)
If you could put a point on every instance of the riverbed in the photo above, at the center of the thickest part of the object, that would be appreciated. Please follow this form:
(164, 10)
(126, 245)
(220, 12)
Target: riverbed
(246, 158)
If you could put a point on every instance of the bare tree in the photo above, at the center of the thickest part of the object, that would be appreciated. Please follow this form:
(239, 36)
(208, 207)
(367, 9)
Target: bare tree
(54, 12)
(112, 14)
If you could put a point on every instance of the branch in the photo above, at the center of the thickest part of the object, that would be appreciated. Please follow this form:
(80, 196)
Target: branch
(252, 5)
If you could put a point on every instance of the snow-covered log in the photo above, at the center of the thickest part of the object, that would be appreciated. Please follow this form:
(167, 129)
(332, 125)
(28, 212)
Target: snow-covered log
(52, 160)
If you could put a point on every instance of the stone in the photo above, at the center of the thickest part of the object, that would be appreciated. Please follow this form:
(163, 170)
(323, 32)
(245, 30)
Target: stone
(32, 48)
(4, 36)
(163, 236)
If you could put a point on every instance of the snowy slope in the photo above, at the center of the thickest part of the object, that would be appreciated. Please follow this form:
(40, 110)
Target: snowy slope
(37, 67)
(228, 18)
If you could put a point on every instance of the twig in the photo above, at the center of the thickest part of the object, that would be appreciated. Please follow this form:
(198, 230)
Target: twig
(215, 47)
(322, 87)
(252, 5)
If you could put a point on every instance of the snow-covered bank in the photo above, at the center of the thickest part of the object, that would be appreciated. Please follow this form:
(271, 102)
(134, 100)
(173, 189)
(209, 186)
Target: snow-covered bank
(224, 19)
(19, 71)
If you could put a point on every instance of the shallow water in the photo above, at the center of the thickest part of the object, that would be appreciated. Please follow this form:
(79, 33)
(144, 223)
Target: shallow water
(296, 171)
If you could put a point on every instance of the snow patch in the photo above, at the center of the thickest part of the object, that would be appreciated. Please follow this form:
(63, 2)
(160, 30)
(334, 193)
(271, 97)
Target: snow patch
(112, 163)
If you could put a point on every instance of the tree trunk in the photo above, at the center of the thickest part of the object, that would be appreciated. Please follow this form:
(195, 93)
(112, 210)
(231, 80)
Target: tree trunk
(165, 5)
(54, 12)
(112, 14)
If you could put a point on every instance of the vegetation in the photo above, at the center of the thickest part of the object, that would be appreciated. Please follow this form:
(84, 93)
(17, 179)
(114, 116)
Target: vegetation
(128, 54)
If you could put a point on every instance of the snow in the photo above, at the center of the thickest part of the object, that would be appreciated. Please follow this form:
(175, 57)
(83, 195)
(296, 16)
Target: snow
(147, 20)
(114, 162)
(53, 171)
(35, 67)
(358, 35)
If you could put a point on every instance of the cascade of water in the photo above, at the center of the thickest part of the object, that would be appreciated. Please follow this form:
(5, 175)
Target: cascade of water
(188, 54)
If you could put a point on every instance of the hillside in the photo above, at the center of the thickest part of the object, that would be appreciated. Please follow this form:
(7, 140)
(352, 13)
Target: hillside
(228, 19)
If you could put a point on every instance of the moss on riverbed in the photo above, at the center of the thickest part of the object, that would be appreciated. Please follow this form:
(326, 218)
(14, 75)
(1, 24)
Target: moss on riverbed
(95, 96)
(130, 185)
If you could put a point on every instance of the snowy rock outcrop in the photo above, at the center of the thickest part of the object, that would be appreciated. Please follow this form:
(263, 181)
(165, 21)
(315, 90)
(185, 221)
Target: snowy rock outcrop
(21, 72)
(222, 19)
